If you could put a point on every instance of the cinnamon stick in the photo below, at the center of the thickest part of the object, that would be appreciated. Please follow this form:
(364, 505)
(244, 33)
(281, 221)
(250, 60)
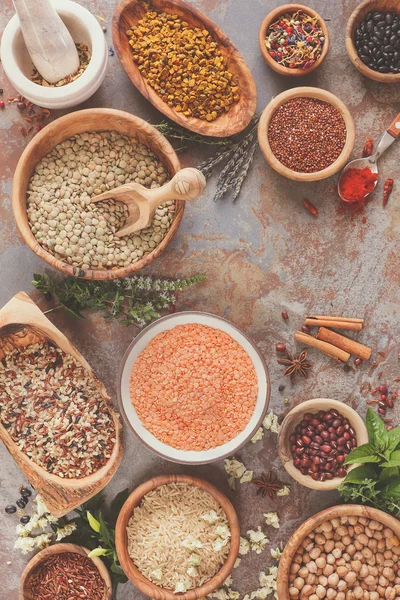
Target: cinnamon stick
(344, 319)
(345, 343)
(336, 353)
(319, 322)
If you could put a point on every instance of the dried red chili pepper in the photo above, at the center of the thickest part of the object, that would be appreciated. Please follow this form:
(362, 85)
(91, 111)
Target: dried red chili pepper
(368, 147)
(310, 207)
(387, 190)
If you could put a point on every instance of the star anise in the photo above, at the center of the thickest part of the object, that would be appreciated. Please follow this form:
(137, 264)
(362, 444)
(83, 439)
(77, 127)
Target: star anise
(267, 485)
(296, 365)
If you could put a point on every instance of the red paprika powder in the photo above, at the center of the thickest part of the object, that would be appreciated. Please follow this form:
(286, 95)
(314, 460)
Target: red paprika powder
(355, 184)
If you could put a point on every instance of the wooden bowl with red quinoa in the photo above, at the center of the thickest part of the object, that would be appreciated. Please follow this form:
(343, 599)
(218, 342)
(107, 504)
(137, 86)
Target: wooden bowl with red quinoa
(171, 409)
(298, 118)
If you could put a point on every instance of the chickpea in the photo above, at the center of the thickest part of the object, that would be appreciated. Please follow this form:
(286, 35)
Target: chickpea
(373, 571)
(358, 592)
(358, 544)
(306, 558)
(367, 553)
(351, 549)
(320, 591)
(388, 554)
(380, 559)
(328, 535)
(369, 532)
(358, 556)
(383, 581)
(336, 537)
(314, 597)
(346, 557)
(329, 546)
(294, 592)
(315, 552)
(378, 535)
(342, 585)
(307, 590)
(347, 539)
(340, 545)
(298, 559)
(309, 546)
(388, 562)
(322, 580)
(389, 573)
(363, 539)
(370, 580)
(299, 583)
(307, 540)
(353, 520)
(292, 578)
(349, 595)
(365, 595)
(350, 531)
(342, 530)
(356, 565)
(381, 591)
(363, 571)
(321, 562)
(373, 544)
(390, 593)
(373, 596)
(396, 550)
(311, 578)
(294, 568)
(326, 526)
(388, 533)
(328, 570)
(330, 559)
(351, 577)
(342, 571)
(363, 520)
(333, 579)
(312, 567)
(335, 523)
(375, 525)
(358, 529)
(341, 596)
(340, 562)
(330, 593)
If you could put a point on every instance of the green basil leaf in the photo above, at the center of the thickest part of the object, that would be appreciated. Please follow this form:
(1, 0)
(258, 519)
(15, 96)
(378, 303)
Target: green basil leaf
(98, 552)
(360, 474)
(392, 490)
(394, 460)
(393, 439)
(94, 524)
(104, 533)
(362, 454)
(377, 432)
(387, 474)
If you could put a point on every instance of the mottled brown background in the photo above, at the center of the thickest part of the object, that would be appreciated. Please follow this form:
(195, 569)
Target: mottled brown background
(262, 255)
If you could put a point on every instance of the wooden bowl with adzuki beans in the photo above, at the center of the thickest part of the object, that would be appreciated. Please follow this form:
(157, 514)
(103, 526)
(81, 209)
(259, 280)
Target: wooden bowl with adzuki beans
(306, 134)
(314, 440)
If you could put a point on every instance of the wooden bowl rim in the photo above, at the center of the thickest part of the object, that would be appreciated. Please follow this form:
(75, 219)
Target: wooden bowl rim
(353, 21)
(305, 92)
(61, 549)
(57, 126)
(272, 16)
(133, 573)
(294, 416)
(194, 124)
(305, 528)
(127, 420)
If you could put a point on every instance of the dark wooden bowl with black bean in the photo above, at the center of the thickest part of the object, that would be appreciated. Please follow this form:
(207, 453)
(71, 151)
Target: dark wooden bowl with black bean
(373, 40)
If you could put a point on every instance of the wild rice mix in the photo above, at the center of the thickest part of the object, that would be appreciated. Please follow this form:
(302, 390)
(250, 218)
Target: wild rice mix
(178, 537)
(52, 408)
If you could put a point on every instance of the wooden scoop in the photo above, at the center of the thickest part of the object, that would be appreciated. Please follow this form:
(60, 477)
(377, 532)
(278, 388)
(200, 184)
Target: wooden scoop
(187, 184)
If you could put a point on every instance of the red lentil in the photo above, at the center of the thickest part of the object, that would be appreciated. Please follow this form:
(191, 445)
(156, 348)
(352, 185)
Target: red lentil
(307, 134)
(194, 387)
(66, 576)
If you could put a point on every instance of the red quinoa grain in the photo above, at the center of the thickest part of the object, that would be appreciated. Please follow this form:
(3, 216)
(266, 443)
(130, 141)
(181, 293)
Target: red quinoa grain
(306, 134)
(194, 387)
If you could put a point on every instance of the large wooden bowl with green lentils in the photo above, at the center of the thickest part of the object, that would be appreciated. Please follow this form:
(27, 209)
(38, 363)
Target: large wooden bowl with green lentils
(80, 122)
(205, 86)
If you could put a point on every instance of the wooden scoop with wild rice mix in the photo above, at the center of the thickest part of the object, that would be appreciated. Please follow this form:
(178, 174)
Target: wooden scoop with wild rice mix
(187, 184)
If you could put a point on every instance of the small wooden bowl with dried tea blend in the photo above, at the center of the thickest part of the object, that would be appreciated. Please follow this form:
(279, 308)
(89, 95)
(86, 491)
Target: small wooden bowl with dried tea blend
(63, 572)
(84, 60)
(306, 134)
(373, 40)
(92, 151)
(293, 39)
(185, 65)
(177, 536)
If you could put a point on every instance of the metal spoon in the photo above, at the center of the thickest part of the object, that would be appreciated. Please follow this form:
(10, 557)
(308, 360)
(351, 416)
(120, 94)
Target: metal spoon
(386, 140)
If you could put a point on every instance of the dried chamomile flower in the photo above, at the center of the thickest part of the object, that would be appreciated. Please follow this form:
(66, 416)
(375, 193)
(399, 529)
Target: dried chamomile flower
(157, 574)
(246, 477)
(192, 571)
(258, 540)
(271, 422)
(210, 517)
(258, 435)
(194, 560)
(182, 585)
(233, 595)
(228, 581)
(285, 491)
(276, 553)
(237, 470)
(244, 547)
(62, 532)
(220, 594)
(237, 563)
(271, 518)
(191, 543)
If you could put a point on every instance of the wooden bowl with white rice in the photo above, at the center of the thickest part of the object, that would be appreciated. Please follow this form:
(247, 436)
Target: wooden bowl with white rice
(177, 537)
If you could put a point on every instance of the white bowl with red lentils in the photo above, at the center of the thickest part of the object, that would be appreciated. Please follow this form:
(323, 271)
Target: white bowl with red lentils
(315, 439)
(193, 387)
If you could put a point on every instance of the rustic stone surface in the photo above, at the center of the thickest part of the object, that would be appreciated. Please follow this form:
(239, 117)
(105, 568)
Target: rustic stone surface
(262, 255)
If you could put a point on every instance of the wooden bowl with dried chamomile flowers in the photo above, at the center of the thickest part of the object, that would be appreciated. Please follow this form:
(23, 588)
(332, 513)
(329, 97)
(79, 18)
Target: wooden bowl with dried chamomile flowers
(314, 440)
(225, 99)
(79, 156)
(84, 573)
(45, 437)
(153, 545)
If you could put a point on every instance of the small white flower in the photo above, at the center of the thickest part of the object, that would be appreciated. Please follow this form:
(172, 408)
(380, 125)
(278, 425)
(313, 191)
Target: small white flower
(244, 547)
(191, 543)
(220, 594)
(181, 586)
(223, 531)
(232, 482)
(285, 491)
(234, 468)
(258, 435)
(25, 544)
(228, 581)
(210, 517)
(63, 532)
(43, 540)
(192, 571)
(276, 553)
(219, 543)
(157, 574)
(40, 506)
(194, 559)
(271, 518)
(232, 595)
(258, 540)
(237, 563)
(261, 593)
(246, 477)
(271, 422)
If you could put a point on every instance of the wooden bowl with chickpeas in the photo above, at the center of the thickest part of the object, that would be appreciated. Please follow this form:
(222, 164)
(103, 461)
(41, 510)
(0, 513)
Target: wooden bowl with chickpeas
(346, 552)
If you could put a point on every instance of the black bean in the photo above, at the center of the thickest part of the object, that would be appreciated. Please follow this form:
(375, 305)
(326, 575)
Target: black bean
(378, 17)
(365, 50)
(26, 492)
(25, 519)
(383, 69)
(369, 26)
(21, 502)
(10, 509)
(389, 18)
(379, 33)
